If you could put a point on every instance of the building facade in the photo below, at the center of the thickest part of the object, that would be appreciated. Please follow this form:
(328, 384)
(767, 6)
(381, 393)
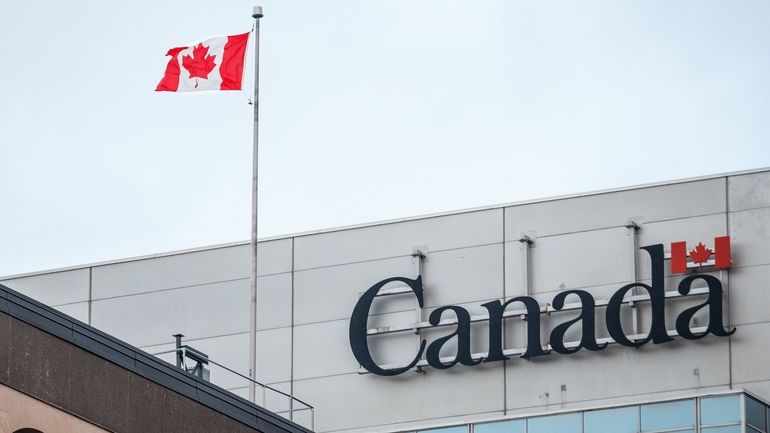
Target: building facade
(704, 321)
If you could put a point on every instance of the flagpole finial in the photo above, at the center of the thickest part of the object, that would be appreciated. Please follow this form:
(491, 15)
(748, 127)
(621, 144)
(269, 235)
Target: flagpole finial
(257, 14)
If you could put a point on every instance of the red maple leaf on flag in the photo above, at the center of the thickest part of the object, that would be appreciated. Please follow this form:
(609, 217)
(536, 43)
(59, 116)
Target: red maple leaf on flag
(700, 254)
(200, 64)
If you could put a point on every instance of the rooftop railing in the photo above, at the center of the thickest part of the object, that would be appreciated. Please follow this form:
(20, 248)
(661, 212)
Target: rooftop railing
(274, 400)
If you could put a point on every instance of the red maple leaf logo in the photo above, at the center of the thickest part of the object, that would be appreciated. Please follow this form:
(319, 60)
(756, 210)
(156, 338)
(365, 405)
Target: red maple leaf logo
(700, 254)
(200, 64)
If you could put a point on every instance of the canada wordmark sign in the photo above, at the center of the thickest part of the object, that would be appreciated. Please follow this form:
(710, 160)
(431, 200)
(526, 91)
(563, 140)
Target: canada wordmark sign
(656, 296)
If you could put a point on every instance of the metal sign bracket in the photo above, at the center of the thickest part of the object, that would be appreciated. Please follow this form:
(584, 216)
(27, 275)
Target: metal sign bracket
(419, 258)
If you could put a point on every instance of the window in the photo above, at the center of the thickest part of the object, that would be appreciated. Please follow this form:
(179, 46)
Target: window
(619, 420)
(718, 414)
(668, 416)
(756, 414)
(720, 411)
(514, 426)
(566, 423)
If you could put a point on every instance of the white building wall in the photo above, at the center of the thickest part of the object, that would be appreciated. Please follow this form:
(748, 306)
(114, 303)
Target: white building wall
(309, 284)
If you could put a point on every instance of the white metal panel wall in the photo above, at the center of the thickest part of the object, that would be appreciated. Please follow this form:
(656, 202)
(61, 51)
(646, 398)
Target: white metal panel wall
(170, 272)
(67, 291)
(56, 288)
(310, 283)
(398, 239)
(749, 223)
(614, 209)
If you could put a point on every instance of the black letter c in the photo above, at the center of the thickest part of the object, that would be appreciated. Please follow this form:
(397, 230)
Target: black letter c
(358, 324)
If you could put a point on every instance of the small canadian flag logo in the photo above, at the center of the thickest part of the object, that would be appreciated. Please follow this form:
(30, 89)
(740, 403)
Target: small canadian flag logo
(701, 255)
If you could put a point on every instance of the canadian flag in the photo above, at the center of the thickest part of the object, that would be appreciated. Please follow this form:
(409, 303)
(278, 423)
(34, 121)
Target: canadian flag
(700, 255)
(214, 64)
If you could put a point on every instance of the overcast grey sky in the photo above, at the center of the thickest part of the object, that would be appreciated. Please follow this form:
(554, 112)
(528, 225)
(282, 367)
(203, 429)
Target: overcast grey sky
(371, 110)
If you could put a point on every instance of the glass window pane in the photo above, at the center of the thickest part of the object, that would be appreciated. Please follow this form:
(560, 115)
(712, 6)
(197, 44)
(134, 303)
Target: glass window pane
(729, 429)
(755, 414)
(669, 415)
(513, 426)
(566, 423)
(455, 429)
(620, 420)
(720, 410)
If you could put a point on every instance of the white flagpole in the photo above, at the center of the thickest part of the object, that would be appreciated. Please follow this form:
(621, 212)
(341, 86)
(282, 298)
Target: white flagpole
(257, 14)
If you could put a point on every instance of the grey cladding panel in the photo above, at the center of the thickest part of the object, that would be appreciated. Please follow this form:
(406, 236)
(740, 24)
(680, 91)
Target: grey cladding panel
(274, 257)
(576, 260)
(749, 191)
(274, 355)
(409, 397)
(78, 311)
(189, 269)
(617, 371)
(274, 299)
(323, 349)
(692, 230)
(750, 357)
(750, 232)
(615, 208)
(197, 312)
(463, 275)
(54, 288)
(331, 293)
(750, 294)
(398, 239)
(449, 277)
(169, 272)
